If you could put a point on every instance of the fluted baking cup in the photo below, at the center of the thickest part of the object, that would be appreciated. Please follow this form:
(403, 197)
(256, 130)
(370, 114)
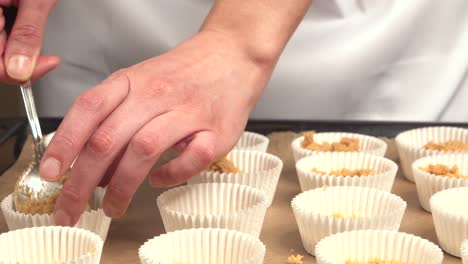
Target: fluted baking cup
(215, 205)
(464, 251)
(427, 184)
(368, 144)
(257, 169)
(410, 144)
(51, 244)
(450, 215)
(332, 161)
(95, 220)
(253, 141)
(203, 246)
(366, 245)
(325, 211)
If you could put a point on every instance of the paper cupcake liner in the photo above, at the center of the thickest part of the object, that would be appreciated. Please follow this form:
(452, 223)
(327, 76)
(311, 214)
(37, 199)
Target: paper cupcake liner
(449, 212)
(410, 144)
(372, 209)
(215, 205)
(52, 244)
(253, 141)
(428, 184)
(464, 251)
(328, 161)
(371, 145)
(203, 246)
(258, 170)
(366, 245)
(95, 220)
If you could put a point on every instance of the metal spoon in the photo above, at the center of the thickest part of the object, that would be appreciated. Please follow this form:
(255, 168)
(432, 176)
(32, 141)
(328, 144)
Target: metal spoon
(30, 185)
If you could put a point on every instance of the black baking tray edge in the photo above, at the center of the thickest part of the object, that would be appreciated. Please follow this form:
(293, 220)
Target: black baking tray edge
(372, 128)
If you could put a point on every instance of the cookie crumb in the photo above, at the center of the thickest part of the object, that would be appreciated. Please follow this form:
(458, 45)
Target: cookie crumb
(224, 165)
(451, 145)
(346, 172)
(297, 259)
(346, 144)
(444, 170)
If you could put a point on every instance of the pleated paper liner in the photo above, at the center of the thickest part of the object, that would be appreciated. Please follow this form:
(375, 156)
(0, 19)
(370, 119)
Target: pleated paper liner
(330, 161)
(51, 244)
(410, 144)
(95, 220)
(450, 215)
(253, 141)
(203, 246)
(427, 184)
(325, 211)
(215, 205)
(368, 144)
(257, 169)
(367, 245)
(464, 251)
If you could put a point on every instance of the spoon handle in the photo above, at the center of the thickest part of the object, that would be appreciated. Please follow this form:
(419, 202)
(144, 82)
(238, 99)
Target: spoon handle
(28, 99)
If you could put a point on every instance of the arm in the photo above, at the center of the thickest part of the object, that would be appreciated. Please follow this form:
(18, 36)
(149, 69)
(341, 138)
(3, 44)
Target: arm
(261, 27)
(195, 98)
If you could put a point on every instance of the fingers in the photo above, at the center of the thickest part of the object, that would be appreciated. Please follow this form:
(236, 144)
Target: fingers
(25, 40)
(101, 148)
(197, 156)
(85, 115)
(112, 168)
(143, 151)
(182, 145)
(3, 40)
(44, 65)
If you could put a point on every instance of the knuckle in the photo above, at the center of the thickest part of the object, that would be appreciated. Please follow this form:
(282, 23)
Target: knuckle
(65, 140)
(89, 101)
(102, 141)
(120, 192)
(204, 155)
(71, 193)
(122, 73)
(28, 33)
(145, 145)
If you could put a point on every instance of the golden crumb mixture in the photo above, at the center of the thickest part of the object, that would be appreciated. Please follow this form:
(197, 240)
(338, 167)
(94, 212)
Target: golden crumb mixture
(346, 172)
(340, 215)
(345, 144)
(297, 259)
(37, 206)
(377, 260)
(444, 170)
(224, 165)
(451, 145)
(44, 205)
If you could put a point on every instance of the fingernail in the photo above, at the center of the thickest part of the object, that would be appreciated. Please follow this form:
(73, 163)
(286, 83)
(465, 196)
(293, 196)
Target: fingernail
(19, 67)
(62, 218)
(50, 169)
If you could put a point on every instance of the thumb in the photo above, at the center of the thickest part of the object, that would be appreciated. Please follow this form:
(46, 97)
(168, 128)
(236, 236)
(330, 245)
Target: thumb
(25, 40)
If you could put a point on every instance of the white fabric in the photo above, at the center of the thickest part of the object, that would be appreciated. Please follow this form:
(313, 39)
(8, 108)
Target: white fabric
(349, 59)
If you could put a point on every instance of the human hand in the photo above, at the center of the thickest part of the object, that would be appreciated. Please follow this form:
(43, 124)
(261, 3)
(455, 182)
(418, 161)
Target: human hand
(20, 51)
(195, 98)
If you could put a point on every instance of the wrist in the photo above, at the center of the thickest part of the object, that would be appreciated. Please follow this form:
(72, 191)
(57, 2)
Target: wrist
(258, 50)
